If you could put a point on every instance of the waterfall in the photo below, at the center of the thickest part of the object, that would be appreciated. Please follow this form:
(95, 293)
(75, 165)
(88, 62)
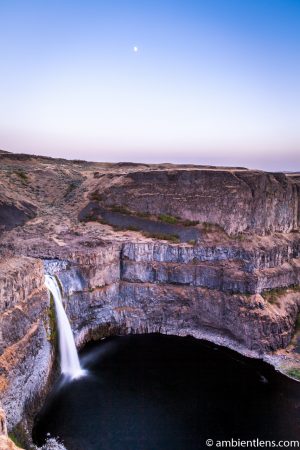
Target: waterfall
(69, 360)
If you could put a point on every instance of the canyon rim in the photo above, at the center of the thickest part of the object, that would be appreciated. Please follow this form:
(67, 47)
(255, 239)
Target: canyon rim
(211, 252)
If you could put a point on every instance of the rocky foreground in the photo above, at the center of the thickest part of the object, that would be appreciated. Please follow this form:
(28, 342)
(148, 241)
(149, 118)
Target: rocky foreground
(185, 250)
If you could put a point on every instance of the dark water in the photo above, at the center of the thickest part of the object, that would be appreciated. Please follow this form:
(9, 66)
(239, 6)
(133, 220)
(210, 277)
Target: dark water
(153, 392)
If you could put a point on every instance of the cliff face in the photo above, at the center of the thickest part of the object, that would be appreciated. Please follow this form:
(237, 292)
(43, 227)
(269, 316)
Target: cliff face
(237, 284)
(180, 290)
(25, 350)
(237, 200)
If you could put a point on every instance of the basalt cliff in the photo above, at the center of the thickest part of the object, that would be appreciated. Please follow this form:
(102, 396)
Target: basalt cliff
(185, 250)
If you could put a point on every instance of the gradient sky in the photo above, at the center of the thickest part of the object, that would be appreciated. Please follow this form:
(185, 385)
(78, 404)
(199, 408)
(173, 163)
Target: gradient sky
(213, 81)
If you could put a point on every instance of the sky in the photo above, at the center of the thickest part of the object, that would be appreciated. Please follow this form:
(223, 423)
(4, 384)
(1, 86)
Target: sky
(204, 81)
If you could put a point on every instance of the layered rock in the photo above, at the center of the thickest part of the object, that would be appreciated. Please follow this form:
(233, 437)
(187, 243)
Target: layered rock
(239, 290)
(204, 291)
(237, 200)
(149, 292)
(26, 352)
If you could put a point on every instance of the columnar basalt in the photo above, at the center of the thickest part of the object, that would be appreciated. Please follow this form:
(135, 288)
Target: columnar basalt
(237, 285)
(181, 297)
(26, 354)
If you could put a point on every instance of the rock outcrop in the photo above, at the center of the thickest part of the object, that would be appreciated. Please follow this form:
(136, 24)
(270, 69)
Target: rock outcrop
(237, 200)
(5, 442)
(26, 352)
(237, 284)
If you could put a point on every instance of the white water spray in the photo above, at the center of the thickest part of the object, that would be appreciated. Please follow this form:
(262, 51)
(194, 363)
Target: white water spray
(69, 360)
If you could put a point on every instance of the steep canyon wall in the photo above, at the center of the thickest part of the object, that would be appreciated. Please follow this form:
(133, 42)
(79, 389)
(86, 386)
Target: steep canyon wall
(237, 285)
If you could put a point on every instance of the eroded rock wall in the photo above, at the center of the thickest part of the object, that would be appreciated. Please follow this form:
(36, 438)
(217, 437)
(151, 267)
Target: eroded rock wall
(237, 200)
(26, 353)
(212, 292)
(185, 290)
(119, 281)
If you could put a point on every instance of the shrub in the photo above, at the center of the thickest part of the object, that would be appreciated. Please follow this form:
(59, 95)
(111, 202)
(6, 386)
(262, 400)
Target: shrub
(132, 228)
(294, 372)
(15, 439)
(95, 196)
(189, 223)
(144, 215)
(295, 287)
(297, 324)
(22, 175)
(240, 237)
(72, 186)
(120, 209)
(165, 237)
(272, 295)
(168, 219)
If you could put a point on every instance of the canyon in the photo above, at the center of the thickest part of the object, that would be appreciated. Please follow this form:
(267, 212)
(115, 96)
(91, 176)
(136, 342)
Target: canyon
(211, 252)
